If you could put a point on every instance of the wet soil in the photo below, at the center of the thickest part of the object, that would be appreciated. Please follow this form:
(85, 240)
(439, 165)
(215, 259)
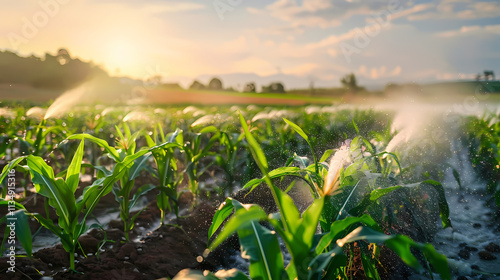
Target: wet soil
(163, 253)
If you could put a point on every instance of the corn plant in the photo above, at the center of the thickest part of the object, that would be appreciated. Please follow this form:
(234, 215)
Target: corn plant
(483, 140)
(229, 160)
(195, 151)
(310, 260)
(355, 181)
(124, 185)
(166, 164)
(124, 190)
(60, 194)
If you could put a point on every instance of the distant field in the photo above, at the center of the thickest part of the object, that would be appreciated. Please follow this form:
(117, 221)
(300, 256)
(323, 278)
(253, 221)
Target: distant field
(224, 97)
(439, 92)
(23, 92)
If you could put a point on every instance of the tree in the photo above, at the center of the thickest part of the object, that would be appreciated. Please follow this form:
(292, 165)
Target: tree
(197, 85)
(63, 56)
(349, 82)
(488, 74)
(215, 84)
(274, 88)
(250, 87)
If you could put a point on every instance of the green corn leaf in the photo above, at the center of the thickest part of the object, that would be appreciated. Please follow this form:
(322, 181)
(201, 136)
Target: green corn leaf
(304, 135)
(149, 140)
(140, 192)
(257, 152)
(400, 244)
(59, 195)
(444, 210)
(261, 247)
(22, 229)
(100, 142)
(332, 260)
(276, 173)
(66, 240)
(369, 266)
(12, 164)
(242, 218)
(378, 193)
(139, 165)
(355, 126)
(225, 209)
(7, 203)
(326, 155)
(297, 129)
(371, 198)
(73, 172)
(289, 212)
(209, 129)
(339, 229)
(309, 222)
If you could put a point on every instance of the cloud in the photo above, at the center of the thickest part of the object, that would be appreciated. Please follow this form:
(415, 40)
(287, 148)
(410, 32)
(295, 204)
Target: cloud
(325, 13)
(460, 9)
(469, 30)
(378, 73)
(302, 69)
(254, 64)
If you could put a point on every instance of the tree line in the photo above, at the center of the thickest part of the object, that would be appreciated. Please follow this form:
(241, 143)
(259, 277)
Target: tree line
(251, 87)
(55, 72)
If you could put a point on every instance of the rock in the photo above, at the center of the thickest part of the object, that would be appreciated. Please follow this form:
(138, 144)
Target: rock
(470, 249)
(89, 244)
(464, 254)
(116, 224)
(487, 256)
(127, 251)
(492, 247)
(114, 234)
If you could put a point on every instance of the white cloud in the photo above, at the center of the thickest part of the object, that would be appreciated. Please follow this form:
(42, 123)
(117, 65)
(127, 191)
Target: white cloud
(325, 13)
(472, 29)
(461, 9)
(378, 72)
(254, 64)
(302, 69)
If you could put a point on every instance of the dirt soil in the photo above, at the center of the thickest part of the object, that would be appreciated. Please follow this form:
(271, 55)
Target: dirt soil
(163, 253)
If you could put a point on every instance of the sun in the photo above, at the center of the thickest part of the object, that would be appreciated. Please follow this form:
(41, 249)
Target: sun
(121, 55)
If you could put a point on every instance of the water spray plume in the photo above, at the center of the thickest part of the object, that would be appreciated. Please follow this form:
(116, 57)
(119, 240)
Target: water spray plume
(337, 163)
(66, 101)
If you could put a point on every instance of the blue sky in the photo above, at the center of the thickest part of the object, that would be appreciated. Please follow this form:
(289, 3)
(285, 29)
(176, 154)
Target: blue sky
(319, 40)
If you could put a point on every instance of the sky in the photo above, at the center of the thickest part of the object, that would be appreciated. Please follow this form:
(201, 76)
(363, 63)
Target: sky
(312, 40)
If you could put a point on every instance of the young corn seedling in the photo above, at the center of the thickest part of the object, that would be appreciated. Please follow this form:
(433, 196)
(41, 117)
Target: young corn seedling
(166, 167)
(195, 151)
(229, 161)
(124, 190)
(60, 194)
(124, 186)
